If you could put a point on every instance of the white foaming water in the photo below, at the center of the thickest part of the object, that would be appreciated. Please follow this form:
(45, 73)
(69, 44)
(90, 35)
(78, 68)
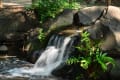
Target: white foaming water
(49, 60)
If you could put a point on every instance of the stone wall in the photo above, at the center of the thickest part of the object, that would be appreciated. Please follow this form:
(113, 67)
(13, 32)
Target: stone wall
(16, 26)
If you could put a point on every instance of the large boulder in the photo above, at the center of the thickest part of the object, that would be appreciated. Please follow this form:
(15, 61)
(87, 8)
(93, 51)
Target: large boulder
(88, 15)
(108, 29)
(98, 31)
(63, 20)
(112, 21)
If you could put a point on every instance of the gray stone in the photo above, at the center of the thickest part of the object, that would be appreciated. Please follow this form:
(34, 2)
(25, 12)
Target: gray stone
(112, 20)
(88, 15)
(3, 48)
(95, 30)
(63, 20)
(108, 29)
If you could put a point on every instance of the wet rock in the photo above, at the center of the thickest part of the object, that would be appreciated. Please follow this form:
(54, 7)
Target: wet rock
(35, 56)
(3, 48)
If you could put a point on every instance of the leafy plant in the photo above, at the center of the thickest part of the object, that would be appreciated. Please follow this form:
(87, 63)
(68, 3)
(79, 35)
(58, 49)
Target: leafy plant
(50, 8)
(93, 60)
(41, 35)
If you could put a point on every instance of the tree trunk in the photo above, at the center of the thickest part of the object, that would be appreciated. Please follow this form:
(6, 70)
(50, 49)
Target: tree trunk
(1, 4)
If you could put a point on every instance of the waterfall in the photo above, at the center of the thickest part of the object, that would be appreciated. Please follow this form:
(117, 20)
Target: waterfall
(52, 57)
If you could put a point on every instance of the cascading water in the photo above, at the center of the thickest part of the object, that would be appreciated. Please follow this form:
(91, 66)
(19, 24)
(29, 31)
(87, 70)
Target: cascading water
(52, 57)
(55, 53)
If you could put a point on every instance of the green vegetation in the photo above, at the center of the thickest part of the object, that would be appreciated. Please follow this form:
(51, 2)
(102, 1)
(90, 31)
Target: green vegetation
(50, 8)
(91, 59)
(46, 9)
(41, 35)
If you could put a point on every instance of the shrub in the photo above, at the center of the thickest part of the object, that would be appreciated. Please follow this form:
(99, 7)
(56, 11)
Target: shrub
(93, 60)
(50, 8)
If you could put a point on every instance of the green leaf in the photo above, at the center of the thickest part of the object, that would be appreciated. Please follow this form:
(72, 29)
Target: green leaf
(84, 64)
(72, 60)
(103, 65)
(110, 60)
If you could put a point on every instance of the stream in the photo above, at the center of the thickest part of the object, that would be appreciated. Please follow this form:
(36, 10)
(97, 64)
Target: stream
(7, 64)
(54, 56)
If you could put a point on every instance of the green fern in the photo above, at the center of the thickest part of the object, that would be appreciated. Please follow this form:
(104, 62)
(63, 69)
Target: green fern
(93, 56)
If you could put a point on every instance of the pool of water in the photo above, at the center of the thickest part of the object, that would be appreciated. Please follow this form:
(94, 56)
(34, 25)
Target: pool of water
(10, 67)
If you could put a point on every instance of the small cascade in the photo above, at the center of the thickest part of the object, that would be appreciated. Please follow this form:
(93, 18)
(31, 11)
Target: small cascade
(53, 56)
